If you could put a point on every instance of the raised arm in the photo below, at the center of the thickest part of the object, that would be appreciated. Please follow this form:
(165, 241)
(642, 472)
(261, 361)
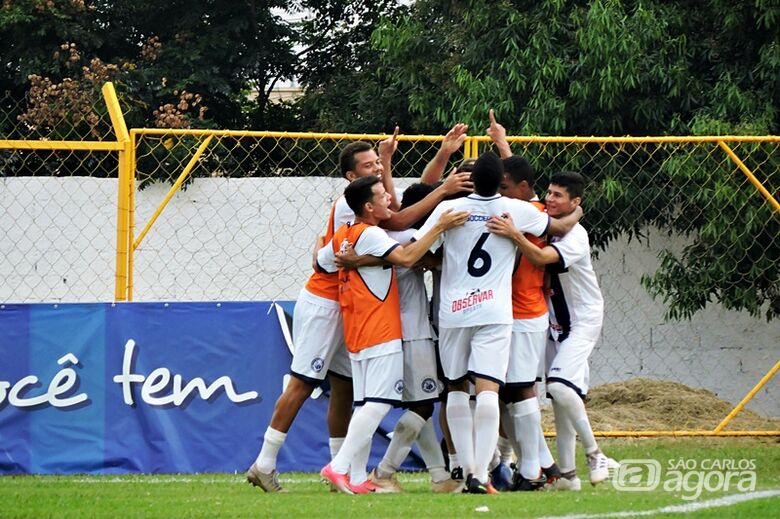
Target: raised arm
(454, 183)
(408, 255)
(497, 134)
(452, 142)
(387, 149)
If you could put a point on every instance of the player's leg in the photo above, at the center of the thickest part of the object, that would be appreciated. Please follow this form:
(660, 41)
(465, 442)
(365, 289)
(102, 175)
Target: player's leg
(378, 383)
(318, 333)
(421, 390)
(567, 385)
(454, 347)
(488, 364)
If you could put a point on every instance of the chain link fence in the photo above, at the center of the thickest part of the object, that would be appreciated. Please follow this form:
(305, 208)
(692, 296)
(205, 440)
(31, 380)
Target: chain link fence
(241, 221)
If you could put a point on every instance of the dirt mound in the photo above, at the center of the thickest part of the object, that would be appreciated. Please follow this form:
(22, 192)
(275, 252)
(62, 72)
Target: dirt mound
(643, 405)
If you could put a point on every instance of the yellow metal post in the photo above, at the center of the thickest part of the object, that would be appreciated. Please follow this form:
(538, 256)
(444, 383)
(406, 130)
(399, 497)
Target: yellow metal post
(747, 398)
(123, 192)
(175, 187)
(749, 174)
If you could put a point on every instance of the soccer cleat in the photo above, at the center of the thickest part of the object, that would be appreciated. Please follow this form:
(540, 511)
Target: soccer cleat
(269, 482)
(474, 486)
(521, 484)
(457, 473)
(502, 477)
(612, 465)
(338, 481)
(366, 487)
(567, 484)
(448, 486)
(552, 473)
(599, 469)
(388, 485)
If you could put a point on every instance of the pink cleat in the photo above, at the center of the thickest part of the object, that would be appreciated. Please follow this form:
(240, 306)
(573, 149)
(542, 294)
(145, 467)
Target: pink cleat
(338, 481)
(366, 487)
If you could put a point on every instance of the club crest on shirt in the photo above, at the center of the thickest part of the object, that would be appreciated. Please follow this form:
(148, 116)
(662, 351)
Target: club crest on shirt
(317, 364)
(429, 385)
(399, 386)
(472, 301)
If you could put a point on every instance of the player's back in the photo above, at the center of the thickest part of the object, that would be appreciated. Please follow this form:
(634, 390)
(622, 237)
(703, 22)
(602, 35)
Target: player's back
(477, 265)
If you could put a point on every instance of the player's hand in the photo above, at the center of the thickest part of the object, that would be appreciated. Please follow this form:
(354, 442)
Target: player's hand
(427, 262)
(454, 139)
(388, 146)
(502, 225)
(457, 182)
(347, 258)
(495, 131)
(451, 218)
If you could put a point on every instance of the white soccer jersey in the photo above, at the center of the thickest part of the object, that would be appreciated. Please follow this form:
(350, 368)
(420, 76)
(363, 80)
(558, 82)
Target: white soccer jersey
(576, 297)
(476, 284)
(342, 214)
(414, 299)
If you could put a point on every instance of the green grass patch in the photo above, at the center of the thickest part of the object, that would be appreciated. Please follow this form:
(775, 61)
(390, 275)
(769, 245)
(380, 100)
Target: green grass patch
(228, 495)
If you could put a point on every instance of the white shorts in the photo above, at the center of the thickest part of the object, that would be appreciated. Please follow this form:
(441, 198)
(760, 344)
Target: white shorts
(568, 360)
(475, 351)
(379, 379)
(526, 354)
(421, 382)
(318, 336)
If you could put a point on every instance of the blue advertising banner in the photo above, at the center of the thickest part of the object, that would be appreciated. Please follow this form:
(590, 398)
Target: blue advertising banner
(148, 387)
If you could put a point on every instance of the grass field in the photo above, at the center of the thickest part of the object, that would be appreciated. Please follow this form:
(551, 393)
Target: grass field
(228, 495)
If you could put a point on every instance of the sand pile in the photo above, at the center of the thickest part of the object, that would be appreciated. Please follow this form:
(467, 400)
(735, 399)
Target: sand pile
(642, 405)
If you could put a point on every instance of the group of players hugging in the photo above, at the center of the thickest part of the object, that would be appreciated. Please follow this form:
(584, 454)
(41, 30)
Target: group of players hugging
(514, 301)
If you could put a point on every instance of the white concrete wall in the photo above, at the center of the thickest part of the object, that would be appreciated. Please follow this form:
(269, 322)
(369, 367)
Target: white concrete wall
(251, 239)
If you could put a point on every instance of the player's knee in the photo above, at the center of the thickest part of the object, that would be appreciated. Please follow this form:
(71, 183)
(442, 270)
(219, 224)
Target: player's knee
(558, 391)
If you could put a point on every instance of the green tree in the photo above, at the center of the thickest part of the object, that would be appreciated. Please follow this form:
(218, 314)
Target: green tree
(611, 67)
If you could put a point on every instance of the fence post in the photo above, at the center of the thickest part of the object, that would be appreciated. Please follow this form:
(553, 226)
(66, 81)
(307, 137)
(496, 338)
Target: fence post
(124, 190)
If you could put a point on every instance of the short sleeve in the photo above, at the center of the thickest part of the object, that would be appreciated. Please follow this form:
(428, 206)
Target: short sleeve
(573, 246)
(529, 219)
(374, 241)
(432, 220)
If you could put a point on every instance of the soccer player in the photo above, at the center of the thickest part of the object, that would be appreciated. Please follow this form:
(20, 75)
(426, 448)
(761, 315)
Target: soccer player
(475, 312)
(576, 312)
(421, 382)
(523, 419)
(370, 307)
(317, 323)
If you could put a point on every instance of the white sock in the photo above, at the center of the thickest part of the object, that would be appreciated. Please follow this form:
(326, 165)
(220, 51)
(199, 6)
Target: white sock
(335, 444)
(546, 459)
(454, 461)
(358, 471)
(362, 427)
(405, 432)
(574, 408)
(509, 429)
(506, 450)
(430, 450)
(565, 439)
(461, 424)
(272, 442)
(486, 422)
(527, 420)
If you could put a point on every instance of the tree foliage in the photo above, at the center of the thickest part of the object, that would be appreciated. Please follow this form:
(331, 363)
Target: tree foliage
(610, 67)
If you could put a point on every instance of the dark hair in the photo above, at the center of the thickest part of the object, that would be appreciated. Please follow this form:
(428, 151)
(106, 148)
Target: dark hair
(414, 194)
(466, 165)
(347, 155)
(573, 182)
(518, 169)
(487, 174)
(359, 192)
